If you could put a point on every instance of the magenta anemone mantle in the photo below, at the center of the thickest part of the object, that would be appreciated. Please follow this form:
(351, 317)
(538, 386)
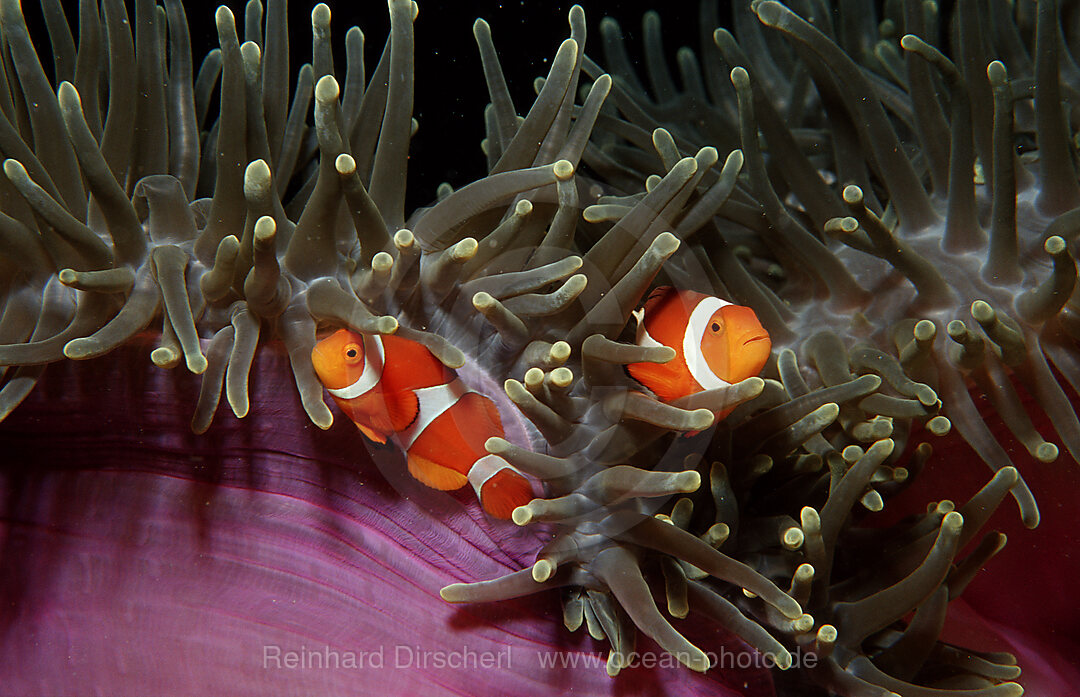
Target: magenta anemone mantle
(893, 192)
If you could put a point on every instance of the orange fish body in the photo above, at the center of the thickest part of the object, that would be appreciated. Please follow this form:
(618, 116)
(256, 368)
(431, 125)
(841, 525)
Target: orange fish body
(395, 389)
(716, 343)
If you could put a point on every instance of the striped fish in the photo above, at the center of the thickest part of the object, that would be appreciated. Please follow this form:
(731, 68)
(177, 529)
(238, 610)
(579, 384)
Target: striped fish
(716, 343)
(395, 389)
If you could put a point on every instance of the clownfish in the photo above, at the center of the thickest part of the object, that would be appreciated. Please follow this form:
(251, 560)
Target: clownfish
(395, 389)
(716, 343)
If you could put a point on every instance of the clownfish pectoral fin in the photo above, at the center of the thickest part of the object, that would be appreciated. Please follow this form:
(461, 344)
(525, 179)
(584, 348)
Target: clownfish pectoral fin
(436, 476)
(662, 380)
(371, 433)
(503, 492)
(401, 408)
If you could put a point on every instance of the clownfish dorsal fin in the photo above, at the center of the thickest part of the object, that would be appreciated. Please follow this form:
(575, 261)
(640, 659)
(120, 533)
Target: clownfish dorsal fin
(434, 475)
(658, 292)
(401, 408)
(494, 421)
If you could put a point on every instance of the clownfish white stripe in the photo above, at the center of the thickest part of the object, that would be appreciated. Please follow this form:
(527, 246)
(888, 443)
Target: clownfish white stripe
(432, 402)
(695, 332)
(372, 373)
(487, 467)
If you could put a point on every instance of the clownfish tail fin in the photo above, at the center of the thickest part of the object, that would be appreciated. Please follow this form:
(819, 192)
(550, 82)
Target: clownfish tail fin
(499, 486)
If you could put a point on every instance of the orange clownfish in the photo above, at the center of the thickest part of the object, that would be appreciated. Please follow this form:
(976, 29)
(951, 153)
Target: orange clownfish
(394, 388)
(716, 343)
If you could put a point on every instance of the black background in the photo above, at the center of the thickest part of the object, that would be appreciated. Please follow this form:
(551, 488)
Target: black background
(450, 91)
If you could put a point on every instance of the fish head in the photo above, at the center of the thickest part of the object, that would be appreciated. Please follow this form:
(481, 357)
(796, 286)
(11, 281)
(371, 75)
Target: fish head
(735, 345)
(339, 359)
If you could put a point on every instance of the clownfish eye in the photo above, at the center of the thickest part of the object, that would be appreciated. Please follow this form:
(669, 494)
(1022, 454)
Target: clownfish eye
(715, 326)
(352, 353)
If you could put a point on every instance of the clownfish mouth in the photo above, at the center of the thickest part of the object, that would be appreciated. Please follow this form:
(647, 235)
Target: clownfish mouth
(755, 338)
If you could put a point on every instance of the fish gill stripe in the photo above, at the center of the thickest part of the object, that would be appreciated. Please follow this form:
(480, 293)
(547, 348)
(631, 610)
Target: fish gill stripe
(432, 402)
(695, 332)
(372, 373)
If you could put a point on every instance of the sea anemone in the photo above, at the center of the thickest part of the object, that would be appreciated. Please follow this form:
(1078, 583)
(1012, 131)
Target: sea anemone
(124, 208)
(140, 558)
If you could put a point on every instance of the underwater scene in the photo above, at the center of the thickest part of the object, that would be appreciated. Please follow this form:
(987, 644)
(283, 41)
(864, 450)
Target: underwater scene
(612, 348)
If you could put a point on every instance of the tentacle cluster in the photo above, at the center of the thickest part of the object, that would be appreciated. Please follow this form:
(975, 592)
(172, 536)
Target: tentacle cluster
(267, 224)
(847, 244)
(262, 224)
(910, 213)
